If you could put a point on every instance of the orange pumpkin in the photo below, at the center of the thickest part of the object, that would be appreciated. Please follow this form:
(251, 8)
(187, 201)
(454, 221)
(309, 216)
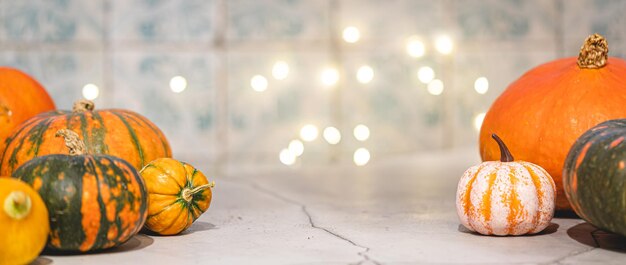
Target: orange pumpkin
(21, 97)
(505, 197)
(95, 201)
(120, 133)
(23, 222)
(177, 195)
(548, 108)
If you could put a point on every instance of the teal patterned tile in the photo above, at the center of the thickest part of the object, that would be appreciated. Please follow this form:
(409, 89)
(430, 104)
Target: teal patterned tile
(585, 17)
(278, 19)
(510, 19)
(51, 21)
(142, 84)
(155, 40)
(62, 73)
(394, 104)
(162, 21)
(262, 123)
(394, 19)
(501, 68)
(594, 16)
(507, 20)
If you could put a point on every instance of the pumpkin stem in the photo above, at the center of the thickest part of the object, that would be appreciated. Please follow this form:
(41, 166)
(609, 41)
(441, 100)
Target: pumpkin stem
(594, 52)
(188, 193)
(83, 105)
(17, 205)
(505, 154)
(72, 141)
(5, 111)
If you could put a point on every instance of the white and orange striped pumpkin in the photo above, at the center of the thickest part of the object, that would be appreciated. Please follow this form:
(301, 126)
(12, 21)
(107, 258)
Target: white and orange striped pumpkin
(506, 197)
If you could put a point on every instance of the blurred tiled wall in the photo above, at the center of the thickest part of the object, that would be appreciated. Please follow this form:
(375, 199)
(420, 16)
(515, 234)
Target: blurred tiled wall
(132, 49)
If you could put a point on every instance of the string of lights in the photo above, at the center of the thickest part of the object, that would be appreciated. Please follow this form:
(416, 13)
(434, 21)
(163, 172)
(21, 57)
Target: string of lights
(329, 77)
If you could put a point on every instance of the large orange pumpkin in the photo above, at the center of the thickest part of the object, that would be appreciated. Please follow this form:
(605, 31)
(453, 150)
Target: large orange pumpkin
(116, 132)
(548, 108)
(21, 97)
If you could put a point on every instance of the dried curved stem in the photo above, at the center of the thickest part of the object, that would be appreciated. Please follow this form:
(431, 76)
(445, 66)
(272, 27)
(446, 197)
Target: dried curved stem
(72, 141)
(505, 154)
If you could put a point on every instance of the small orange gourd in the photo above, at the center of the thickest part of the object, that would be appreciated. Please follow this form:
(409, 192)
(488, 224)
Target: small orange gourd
(544, 111)
(505, 197)
(24, 223)
(177, 195)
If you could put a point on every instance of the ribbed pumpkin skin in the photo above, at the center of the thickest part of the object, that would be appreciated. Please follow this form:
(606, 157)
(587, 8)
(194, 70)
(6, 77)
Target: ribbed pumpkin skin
(21, 97)
(120, 133)
(505, 198)
(548, 108)
(95, 201)
(594, 176)
(168, 212)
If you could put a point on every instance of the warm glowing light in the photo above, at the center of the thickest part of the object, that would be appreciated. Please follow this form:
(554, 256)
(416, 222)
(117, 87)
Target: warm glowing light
(481, 85)
(435, 87)
(332, 135)
(286, 157)
(361, 132)
(425, 74)
(296, 147)
(280, 70)
(361, 157)
(91, 91)
(309, 132)
(365, 74)
(478, 121)
(415, 47)
(258, 83)
(330, 76)
(444, 44)
(351, 34)
(178, 84)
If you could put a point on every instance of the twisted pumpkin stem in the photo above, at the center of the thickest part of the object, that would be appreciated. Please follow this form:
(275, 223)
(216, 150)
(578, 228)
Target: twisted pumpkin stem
(17, 205)
(83, 105)
(188, 193)
(594, 52)
(505, 154)
(72, 141)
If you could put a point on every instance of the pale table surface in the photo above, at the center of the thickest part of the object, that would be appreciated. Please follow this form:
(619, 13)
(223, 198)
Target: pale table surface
(396, 211)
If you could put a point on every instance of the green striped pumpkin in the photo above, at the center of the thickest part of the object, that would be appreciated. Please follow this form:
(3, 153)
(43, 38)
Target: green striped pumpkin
(95, 201)
(121, 133)
(594, 176)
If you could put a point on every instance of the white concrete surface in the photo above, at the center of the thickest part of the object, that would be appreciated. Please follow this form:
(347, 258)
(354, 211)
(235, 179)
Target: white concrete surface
(398, 211)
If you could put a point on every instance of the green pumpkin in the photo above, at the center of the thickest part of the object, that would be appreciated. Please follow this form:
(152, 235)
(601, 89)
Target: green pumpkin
(594, 176)
(95, 201)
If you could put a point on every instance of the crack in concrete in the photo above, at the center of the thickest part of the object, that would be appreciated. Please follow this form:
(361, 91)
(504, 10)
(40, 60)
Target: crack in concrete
(363, 254)
(303, 207)
(570, 255)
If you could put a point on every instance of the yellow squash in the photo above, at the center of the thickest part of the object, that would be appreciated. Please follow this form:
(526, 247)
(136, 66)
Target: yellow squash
(24, 223)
